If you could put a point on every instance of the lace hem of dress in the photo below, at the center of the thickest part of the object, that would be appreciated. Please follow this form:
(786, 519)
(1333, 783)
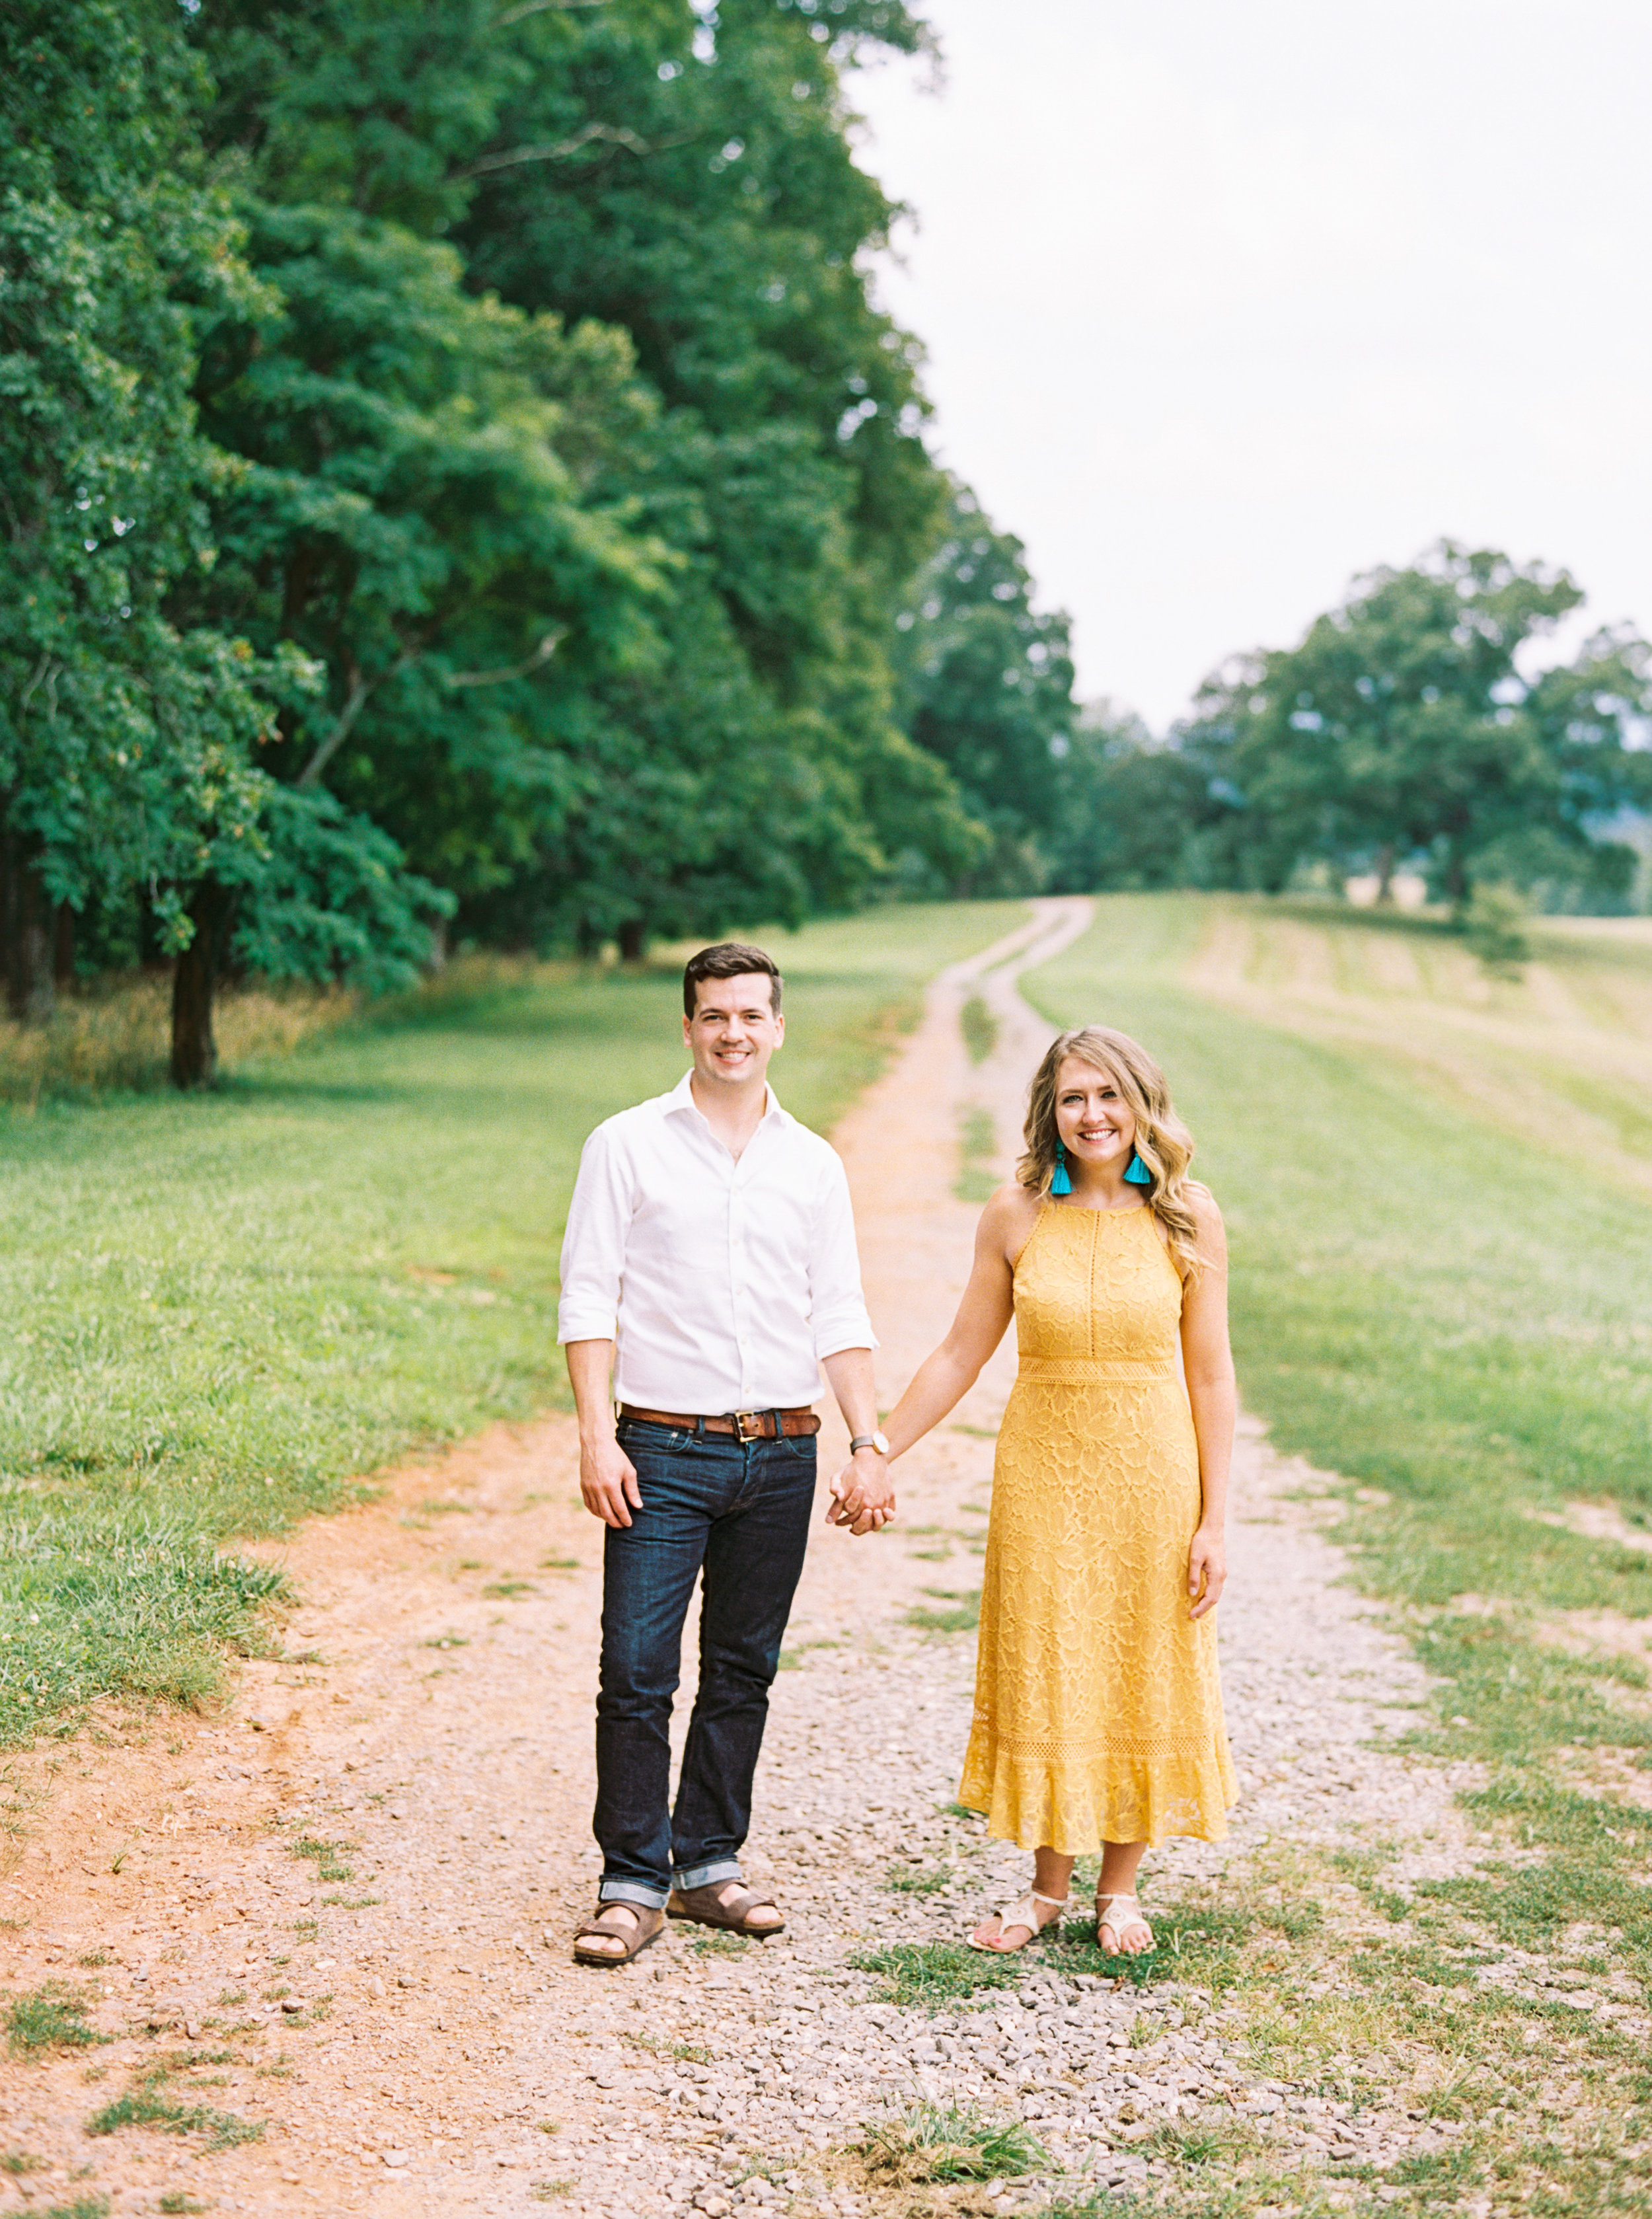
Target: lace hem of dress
(1073, 1806)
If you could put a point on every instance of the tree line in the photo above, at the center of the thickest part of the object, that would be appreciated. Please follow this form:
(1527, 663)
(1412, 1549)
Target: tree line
(456, 480)
(1423, 724)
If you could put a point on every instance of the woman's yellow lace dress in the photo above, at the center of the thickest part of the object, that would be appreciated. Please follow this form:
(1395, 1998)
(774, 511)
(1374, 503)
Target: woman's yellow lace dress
(1098, 1708)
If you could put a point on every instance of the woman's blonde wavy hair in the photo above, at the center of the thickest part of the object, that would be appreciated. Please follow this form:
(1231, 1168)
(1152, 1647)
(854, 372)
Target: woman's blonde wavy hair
(1163, 1141)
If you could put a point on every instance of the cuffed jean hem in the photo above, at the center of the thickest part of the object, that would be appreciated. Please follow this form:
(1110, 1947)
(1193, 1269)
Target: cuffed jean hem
(633, 1891)
(706, 1875)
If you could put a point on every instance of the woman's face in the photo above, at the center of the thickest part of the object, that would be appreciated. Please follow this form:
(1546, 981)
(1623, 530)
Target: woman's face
(1096, 1125)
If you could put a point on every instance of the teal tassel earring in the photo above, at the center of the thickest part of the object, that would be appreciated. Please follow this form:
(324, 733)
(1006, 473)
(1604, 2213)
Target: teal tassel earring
(1138, 1174)
(1062, 1183)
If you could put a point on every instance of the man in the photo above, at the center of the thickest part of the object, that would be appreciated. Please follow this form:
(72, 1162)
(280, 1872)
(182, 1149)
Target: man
(710, 1261)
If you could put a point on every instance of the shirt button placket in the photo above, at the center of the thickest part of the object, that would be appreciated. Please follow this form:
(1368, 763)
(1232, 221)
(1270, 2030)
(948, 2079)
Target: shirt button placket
(737, 1286)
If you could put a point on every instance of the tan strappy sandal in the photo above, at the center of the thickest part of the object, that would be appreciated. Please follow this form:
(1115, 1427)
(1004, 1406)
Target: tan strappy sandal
(714, 1905)
(1022, 1914)
(1121, 1912)
(593, 1941)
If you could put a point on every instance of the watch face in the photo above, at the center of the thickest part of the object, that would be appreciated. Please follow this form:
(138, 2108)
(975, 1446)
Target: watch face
(880, 1442)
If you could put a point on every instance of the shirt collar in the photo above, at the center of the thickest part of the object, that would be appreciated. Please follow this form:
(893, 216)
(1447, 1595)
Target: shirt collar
(681, 1098)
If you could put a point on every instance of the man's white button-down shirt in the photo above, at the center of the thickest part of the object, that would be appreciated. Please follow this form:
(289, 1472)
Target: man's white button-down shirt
(722, 1282)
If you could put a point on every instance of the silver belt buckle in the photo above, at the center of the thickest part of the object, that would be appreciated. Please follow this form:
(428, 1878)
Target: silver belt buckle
(753, 1418)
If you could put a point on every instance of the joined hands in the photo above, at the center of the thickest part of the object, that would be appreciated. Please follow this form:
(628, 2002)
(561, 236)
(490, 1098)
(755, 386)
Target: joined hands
(863, 1494)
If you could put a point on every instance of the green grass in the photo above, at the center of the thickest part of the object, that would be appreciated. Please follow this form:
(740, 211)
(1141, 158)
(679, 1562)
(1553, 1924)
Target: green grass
(147, 2106)
(932, 1975)
(1421, 1301)
(1207, 1939)
(719, 1941)
(979, 1027)
(976, 1142)
(51, 2018)
(962, 1615)
(946, 2142)
(222, 1310)
(918, 1879)
(1439, 1207)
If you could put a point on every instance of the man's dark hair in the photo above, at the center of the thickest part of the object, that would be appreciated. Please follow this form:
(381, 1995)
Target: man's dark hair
(730, 959)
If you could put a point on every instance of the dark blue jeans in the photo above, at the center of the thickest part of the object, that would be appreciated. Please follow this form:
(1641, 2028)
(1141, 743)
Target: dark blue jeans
(736, 1517)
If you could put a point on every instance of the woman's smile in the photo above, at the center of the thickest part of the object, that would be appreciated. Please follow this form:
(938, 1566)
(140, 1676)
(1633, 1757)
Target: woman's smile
(1095, 1124)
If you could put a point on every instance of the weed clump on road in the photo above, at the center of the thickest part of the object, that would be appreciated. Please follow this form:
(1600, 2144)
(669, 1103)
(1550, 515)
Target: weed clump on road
(948, 2143)
(979, 1027)
(932, 1975)
(52, 2017)
(146, 2105)
(962, 1617)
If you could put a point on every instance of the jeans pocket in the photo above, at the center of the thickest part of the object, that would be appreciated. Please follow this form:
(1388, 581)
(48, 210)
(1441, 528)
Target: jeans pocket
(653, 1440)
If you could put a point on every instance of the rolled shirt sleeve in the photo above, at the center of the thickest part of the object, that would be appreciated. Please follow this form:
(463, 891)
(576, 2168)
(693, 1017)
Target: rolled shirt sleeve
(837, 1307)
(593, 1245)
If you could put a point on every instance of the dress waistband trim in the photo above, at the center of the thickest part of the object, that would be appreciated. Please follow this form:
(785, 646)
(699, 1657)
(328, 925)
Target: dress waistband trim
(1078, 1371)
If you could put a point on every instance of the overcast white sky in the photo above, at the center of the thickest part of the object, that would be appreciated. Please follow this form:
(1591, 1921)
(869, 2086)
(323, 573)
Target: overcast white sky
(1226, 302)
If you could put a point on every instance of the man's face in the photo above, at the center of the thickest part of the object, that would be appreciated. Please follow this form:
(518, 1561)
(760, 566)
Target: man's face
(734, 1030)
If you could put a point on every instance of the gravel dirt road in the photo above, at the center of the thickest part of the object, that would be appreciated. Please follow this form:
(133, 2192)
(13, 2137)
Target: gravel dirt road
(339, 1913)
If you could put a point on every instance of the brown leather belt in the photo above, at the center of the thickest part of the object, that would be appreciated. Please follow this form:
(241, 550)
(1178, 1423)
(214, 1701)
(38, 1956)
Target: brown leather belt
(745, 1425)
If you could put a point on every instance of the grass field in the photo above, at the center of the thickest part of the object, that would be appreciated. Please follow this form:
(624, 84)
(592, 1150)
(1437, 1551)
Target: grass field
(221, 1310)
(1439, 1186)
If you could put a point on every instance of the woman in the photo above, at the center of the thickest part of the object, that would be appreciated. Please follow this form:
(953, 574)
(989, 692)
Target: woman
(1098, 1717)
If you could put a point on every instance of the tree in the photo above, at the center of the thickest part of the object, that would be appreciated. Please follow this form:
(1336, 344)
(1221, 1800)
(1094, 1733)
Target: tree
(401, 517)
(674, 210)
(1404, 725)
(1132, 811)
(131, 717)
(109, 246)
(987, 689)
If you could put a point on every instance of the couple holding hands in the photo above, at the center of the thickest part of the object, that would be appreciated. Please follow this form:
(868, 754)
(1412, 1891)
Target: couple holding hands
(709, 1274)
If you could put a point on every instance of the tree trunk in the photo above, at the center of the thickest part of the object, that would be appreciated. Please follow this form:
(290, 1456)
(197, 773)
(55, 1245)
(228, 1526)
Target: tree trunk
(7, 910)
(26, 934)
(633, 939)
(63, 946)
(1385, 861)
(194, 1053)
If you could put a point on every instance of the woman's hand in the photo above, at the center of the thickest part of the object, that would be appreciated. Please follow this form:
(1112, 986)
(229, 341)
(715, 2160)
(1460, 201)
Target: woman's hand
(1207, 1569)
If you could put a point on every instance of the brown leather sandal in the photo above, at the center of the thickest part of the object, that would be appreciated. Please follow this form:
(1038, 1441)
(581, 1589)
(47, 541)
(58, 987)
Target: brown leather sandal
(636, 1939)
(706, 1906)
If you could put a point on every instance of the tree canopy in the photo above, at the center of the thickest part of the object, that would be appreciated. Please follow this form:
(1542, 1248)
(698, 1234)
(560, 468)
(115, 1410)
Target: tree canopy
(1420, 724)
(987, 688)
(457, 467)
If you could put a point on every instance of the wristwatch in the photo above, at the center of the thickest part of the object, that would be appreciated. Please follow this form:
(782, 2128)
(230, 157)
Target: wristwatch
(878, 1441)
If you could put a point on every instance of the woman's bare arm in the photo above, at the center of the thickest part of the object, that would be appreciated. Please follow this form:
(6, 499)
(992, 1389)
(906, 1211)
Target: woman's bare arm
(944, 1377)
(1208, 1363)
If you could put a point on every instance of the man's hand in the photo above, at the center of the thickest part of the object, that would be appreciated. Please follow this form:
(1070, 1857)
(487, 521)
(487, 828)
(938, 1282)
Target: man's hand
(863, 1493)
(608, 1481)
